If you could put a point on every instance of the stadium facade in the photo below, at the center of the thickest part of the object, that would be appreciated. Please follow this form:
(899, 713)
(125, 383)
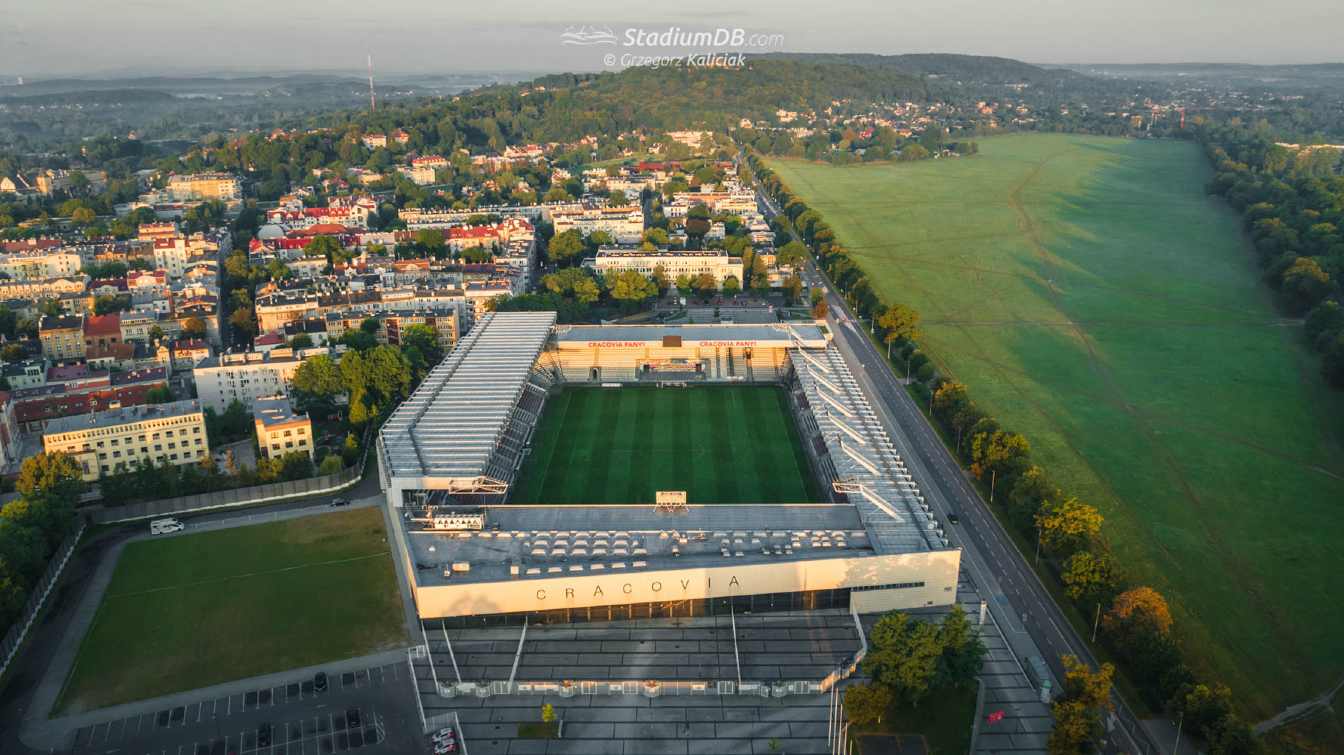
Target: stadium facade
(449, 456)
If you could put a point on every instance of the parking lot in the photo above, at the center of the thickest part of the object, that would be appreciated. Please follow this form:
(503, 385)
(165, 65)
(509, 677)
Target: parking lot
(360, 709)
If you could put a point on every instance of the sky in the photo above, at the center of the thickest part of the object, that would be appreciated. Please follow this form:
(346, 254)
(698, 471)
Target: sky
(64, 37)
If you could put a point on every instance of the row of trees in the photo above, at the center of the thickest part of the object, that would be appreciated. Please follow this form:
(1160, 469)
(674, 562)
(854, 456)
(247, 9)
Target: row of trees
(1137, 621)
(33, 526)
(1292, 203)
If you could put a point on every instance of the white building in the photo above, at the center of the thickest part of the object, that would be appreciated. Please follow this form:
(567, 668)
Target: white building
(246, 377)
(675, 264)
(624, 224)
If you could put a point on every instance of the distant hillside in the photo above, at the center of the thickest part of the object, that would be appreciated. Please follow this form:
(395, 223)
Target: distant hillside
(967, 69)
(714, 98)
(1300, 79)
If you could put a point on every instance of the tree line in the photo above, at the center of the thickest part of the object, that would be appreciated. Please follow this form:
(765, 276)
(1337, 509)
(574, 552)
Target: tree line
(1135, 620)
(33, 526)
(1292, 205)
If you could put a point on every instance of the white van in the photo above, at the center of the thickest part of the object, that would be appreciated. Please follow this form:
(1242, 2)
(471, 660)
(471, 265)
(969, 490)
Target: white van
(165, 526)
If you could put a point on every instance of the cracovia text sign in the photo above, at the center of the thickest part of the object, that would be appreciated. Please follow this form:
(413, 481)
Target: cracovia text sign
(680, 584)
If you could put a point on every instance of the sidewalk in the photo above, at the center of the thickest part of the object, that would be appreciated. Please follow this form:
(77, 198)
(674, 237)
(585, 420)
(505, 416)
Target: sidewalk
(36, 726)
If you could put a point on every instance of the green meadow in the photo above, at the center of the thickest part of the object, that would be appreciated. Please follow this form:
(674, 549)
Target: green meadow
(1095, 299)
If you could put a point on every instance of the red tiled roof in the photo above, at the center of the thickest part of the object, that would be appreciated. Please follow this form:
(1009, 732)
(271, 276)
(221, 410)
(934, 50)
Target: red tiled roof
(103, 325)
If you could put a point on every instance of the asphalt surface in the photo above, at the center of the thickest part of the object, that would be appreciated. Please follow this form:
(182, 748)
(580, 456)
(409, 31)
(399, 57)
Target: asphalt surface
(1018, 599)
(300, 721)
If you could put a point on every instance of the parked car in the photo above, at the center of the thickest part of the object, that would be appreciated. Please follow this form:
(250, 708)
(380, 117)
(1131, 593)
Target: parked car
(340, 502)
(352, 718)
(165, 526)
(952, 518)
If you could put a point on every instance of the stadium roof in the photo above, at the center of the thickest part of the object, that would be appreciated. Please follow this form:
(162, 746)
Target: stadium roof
(807, 334)
(449, 428)
(870, 472)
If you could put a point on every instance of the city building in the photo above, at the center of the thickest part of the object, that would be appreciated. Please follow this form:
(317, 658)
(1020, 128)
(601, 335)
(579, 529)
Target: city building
(221, 186)
(41, 264)
(625, 225)
(674, 264)
(281, 430)
(246, 377)
(117, 440)
(62, 337)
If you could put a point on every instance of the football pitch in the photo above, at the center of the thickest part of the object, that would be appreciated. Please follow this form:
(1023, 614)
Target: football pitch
(721, 444)
(194, 610)
(1093, 297)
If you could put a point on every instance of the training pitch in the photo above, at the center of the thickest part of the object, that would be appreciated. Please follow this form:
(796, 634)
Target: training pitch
(1095, 299)
(721, 444)
(194, 610)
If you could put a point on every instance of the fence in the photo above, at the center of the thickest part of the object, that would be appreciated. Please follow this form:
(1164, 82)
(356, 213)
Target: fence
(273, 491)
(14, 637)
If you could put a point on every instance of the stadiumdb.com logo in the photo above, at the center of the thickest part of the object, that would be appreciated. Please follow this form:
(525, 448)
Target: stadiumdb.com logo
(587, 36)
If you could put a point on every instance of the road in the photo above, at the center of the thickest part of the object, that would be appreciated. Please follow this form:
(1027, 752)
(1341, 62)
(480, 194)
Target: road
(1020, 603)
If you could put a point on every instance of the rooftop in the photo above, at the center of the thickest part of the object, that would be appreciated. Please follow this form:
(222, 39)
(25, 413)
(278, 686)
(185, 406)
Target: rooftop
(275, 410)
(805, 334)
(122, 416)
(449, 428)
(546, 541)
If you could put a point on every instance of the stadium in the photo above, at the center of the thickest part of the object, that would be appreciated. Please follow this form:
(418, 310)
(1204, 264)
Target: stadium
(573, 473)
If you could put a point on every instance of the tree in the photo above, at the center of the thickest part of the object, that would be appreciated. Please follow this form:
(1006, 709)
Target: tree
(898, 324)
(1088, 576)
(324, 246)
(1073, 727)
(1069, 526)
(318, 377)
(791, 254)
(1304, 284)
(55, 475)
(903, 656)
(999, 454)
(793, 287)
(106, 305)
(430, 242)
(630, 286)
(421, 346)
(866, 704)
(243, 320)
(731, 287)
(575, 282)
(547, 713)
(963, 651)
(704, 284)
(566, 247)
(193, 327)
(159, 394)
(1078, 710)
(331, 464)
(1139, 613)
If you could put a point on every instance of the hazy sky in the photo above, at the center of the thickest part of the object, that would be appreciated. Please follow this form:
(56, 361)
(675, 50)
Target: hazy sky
(167, 36)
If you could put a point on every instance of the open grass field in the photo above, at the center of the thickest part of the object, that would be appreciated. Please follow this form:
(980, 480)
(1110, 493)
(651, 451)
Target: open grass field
(721, 444)
(195, 610)
(1092, 297)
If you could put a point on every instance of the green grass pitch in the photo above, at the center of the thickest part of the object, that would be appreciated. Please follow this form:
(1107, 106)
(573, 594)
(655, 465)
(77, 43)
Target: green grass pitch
(721, 444)
(195, 610)
(1094, 298)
